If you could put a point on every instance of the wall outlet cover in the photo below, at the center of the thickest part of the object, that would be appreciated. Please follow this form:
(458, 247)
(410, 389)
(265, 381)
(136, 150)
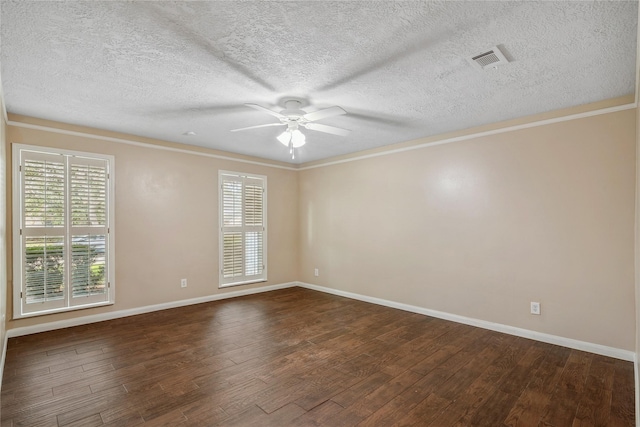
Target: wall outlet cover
(535, 308)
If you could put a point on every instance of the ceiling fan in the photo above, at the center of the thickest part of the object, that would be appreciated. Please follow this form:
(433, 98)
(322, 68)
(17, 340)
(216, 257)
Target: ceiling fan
(294, 117)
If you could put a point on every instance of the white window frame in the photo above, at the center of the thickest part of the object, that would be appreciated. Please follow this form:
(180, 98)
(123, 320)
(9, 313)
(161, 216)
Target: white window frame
(244, 280)
(20, 308)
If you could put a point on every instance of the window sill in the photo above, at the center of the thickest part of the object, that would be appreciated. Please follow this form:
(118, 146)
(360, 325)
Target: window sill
(246, 282)
(60, 310)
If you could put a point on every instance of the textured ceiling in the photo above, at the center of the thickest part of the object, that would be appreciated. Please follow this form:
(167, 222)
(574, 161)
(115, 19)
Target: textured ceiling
(160, 69)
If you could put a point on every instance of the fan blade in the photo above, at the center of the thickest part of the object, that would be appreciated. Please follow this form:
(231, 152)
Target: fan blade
(259, 126)
(323, 114)
(266, 110)
(327, 129)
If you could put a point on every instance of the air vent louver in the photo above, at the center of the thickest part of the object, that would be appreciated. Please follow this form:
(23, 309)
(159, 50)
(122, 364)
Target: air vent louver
(490, 59)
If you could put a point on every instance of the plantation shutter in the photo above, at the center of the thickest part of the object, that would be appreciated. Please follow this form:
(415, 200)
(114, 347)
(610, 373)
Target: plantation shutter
(88, 229)
(232, 253)
(63, 231)
(43, 231)
(243, 229)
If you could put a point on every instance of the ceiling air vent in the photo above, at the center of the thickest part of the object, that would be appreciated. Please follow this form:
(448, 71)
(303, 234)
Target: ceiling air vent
(490, 59)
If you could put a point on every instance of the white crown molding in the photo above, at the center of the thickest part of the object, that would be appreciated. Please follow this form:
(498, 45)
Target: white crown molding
(142, 144)
(477, 135)
(84, 320)
(498, 327)
(636, 99)
(2, 104)
(385, 152)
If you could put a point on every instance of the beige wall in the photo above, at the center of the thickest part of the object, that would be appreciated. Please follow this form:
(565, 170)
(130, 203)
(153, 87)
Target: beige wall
(167, 221)
(3, 237)
(637, 262)
(481, 228)
(477, 228)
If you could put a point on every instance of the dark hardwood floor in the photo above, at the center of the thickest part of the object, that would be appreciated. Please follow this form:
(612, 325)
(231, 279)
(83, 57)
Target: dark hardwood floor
(296, 357)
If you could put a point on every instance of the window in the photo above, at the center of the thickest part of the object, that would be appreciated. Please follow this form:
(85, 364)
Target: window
(63, 230)
(243, 229)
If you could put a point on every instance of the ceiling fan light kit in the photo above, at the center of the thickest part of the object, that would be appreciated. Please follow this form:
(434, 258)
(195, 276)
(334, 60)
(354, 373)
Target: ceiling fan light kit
(293, 137)
(294, 117)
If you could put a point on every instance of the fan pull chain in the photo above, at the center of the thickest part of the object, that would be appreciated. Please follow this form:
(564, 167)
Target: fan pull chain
(293, 155)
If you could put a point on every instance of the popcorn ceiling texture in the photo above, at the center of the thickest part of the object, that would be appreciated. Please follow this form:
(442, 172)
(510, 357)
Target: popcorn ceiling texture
(159, 69)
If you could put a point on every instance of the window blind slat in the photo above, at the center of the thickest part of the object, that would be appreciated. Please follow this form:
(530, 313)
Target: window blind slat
(253, 205)
(88, 195)
(253, 253)
(44, 269)
(43, 186)
(232, 255)
(87, 265)
(232, 203)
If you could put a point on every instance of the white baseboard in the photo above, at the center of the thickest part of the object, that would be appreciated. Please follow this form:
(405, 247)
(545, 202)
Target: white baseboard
(636, 375)
(3, 358)
(498, 327)
(511, 330)
(44, 327)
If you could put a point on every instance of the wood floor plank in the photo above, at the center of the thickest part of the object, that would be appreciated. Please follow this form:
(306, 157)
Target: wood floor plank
(282, 417)
(282, 394)
(296, 357)
(564, 402)
(361, 406)
(594, 408)
(91, 421)
(319, 415)
(361, 389)
(424, 412)
(123, 415)
(531, 404)
(203, 411)
(622, 400)
(494, 410)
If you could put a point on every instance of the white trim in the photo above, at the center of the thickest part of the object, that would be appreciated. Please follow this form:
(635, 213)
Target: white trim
(330, 163)
(241, 178)
(637, 381)
(498, 327)
(636, 93)
(246, 282)
(525, 333)
(477, 135)
(637, 232)
(19, 303)
(17, 267)
(636, 374)
(3, 358)
(2, 104)
(142, 144)
(44, 327)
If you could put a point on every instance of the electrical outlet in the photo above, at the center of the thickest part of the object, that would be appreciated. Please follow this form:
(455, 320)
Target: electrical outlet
(535, 308)
(183, 283)
(316, 272)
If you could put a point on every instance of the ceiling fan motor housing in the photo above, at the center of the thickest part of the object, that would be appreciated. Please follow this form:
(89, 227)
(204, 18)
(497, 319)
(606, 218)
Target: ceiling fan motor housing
(292, 109)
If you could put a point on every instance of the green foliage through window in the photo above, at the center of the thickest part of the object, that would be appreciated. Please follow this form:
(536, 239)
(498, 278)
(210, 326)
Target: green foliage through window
(45, 271)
